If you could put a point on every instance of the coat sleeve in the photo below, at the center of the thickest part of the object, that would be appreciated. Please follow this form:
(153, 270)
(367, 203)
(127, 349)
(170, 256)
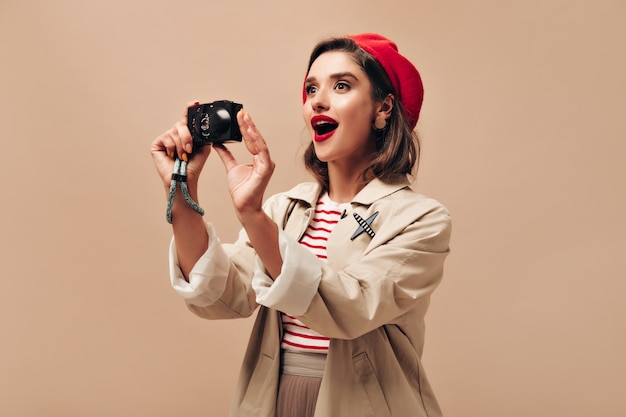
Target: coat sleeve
(389, 280)
(219, 283)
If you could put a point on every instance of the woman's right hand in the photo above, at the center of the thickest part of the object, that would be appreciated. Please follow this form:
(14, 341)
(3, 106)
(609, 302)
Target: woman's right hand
(177, 142)
(190, 234)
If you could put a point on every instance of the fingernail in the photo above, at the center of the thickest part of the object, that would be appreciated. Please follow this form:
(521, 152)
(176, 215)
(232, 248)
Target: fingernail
(170, 154)
(184, 157)
(188, 148)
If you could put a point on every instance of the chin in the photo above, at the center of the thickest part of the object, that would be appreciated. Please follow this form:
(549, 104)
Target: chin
(320, 153)
(322, 157)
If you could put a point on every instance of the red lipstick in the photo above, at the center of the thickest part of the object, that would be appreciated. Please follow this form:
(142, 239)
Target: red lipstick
(324, 127)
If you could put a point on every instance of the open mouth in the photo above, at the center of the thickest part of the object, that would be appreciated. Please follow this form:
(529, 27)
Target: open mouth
(324, 127)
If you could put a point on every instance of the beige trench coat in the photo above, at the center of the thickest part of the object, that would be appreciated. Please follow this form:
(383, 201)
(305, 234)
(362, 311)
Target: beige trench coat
(371, 301)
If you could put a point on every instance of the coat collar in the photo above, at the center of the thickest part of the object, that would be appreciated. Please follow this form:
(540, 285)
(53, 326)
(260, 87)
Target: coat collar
(374, 190)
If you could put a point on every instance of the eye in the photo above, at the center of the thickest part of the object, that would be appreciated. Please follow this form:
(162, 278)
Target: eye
(310, 89)
(342, 85)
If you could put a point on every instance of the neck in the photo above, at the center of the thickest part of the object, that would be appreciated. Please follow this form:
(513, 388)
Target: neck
(344, 183)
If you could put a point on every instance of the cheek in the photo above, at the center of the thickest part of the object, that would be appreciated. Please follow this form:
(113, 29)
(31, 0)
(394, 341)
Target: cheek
(358, 111)
(361, 120)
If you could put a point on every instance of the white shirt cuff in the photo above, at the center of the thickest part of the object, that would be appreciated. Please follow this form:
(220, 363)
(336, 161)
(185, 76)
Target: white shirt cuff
(292, 291)
(207, 279)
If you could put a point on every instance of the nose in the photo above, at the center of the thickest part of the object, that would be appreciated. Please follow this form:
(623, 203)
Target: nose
(319, 101)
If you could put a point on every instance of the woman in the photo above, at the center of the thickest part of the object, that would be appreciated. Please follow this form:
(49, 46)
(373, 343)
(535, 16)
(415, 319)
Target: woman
(342, 268)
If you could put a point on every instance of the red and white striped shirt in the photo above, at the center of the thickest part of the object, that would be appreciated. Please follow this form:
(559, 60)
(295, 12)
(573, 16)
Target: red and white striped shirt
(296, 336)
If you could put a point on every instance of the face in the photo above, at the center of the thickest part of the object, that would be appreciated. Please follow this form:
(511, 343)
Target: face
(339, 110)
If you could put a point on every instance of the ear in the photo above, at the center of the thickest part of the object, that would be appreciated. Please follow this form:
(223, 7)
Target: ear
(383, 109)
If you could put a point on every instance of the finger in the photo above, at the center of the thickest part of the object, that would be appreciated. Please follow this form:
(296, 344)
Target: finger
(252, 137)
(158, 149)
(245, 121)
(245, 118)
(162, 151)
(186, 141)
(255, 144)
(184, 133)
(166, 143)
(173, 141)
(226, 156)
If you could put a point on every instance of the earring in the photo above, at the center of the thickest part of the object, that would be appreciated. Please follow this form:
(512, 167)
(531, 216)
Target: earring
(380, 130)
(380, 124)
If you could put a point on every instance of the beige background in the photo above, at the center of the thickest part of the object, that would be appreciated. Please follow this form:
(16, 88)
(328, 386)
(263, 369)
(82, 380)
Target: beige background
(523, 139)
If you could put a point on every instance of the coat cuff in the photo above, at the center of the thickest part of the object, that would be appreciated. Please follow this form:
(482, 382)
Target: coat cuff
(292, 291)
(207, 279)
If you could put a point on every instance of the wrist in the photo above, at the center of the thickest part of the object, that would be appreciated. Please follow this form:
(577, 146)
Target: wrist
(181, 191)
(251, 216)
(192, 188)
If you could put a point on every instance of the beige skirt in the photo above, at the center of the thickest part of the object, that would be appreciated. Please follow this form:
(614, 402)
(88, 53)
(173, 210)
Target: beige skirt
(300, 380)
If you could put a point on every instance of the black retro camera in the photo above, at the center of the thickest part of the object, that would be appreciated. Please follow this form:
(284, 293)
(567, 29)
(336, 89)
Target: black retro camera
(214, 122)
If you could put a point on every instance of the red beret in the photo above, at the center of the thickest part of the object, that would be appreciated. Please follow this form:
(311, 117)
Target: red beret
(404, 76)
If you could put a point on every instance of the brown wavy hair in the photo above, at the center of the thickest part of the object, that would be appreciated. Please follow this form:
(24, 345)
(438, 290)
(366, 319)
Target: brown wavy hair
(397, 148)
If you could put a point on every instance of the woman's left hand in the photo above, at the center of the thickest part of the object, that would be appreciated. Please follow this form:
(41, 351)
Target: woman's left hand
(247, 183)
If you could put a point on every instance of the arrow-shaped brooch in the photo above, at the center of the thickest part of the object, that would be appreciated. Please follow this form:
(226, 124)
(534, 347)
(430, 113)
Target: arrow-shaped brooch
(364, 225)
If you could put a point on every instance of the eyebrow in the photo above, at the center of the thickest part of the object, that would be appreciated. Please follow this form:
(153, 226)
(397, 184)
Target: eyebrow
(335, 76)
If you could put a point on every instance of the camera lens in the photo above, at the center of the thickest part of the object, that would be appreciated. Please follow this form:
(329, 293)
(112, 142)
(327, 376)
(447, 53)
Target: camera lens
(205, 124)
(219, 120)
(214, 122)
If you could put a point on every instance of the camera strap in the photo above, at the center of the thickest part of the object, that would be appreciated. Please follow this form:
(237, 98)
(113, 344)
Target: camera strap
(179, 174)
